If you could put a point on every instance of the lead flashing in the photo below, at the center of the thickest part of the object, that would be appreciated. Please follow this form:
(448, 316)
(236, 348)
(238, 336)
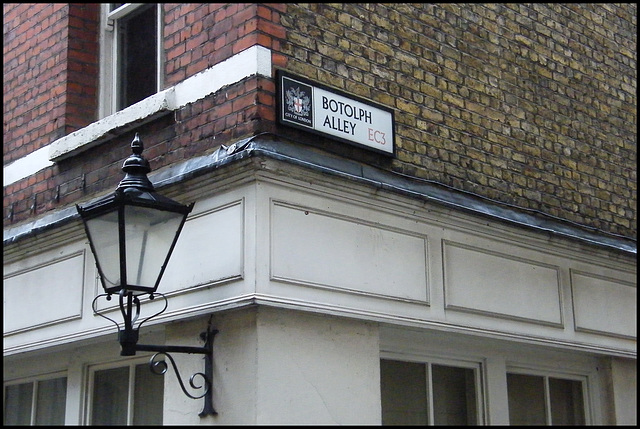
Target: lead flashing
(271, 146)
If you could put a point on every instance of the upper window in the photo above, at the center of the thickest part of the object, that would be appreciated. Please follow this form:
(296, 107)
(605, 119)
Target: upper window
(36, 402)
(130, 56)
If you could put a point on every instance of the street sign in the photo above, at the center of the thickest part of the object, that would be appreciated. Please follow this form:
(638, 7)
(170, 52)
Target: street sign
(313, 107)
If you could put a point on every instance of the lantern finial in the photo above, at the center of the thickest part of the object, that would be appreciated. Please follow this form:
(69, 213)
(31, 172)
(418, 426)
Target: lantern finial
(136, 145)
(136, 169)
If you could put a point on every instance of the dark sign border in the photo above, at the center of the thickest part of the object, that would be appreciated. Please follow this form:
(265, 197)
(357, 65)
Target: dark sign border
(280, 103)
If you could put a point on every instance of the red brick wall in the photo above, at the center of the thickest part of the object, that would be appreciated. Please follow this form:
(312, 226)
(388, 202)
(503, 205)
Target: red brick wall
(196, 37)
(50, 60)
(82, 66)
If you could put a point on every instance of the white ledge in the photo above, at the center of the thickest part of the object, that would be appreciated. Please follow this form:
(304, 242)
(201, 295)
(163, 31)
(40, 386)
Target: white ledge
(96, 132)
(255, 60)
(26, 166)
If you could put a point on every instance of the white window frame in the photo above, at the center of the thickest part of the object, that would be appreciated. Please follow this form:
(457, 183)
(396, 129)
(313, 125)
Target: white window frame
(35, 380)
(499, 357)
(109, 66)
(91, 369)
(450, 361)
(547, 373)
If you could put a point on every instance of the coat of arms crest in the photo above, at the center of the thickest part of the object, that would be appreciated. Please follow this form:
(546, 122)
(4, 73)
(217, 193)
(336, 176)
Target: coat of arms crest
(298, 101)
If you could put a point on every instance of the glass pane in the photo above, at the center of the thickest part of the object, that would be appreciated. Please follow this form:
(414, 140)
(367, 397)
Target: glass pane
(404, 393)
(454, 395)
(51, 402)
(110, 396)
(137, 56)
(149, 236)
(103, 232)
(148, 397)
(526, 399)
(17, 404)
(567, 407)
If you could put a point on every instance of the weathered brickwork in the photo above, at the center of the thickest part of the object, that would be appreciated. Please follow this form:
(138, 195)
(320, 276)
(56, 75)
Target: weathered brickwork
(532, 105)
(196, 36)
(50, 73)
(528, 104)
(82, 66)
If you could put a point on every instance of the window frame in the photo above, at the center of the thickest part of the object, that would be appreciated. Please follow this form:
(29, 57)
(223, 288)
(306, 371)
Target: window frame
(109, 90)
(89, 383)
(450, 361)
(547, 373)
(35, 381)
(499, 356)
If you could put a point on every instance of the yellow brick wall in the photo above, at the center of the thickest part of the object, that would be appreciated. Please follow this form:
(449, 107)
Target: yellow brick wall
(527, 104)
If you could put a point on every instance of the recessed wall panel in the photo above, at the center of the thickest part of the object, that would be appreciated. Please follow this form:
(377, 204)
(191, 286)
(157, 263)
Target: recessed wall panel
(480, 281)
(45, 294)
(209, 250)
(337, 252)
(604, 305)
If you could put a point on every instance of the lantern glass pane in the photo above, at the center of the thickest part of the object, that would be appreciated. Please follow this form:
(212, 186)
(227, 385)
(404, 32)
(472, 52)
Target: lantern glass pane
(103, 233)
(149, 235)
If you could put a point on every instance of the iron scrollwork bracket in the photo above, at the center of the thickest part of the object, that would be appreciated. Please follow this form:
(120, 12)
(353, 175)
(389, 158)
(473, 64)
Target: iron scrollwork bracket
(159, 367)
(128, 338)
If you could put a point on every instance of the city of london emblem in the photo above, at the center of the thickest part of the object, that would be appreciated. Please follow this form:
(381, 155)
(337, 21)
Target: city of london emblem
(298, 102)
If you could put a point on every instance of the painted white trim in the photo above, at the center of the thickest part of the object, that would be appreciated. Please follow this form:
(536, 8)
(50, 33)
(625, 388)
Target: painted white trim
(123, 10)
(254, 60)
(251, 61)
(94, 133)
(26, 166)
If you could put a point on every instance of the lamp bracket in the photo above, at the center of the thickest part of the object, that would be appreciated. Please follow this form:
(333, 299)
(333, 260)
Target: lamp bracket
(128, 338)
(159, 367)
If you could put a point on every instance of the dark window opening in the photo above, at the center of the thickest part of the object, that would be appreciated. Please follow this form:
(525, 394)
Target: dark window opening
(137, 56)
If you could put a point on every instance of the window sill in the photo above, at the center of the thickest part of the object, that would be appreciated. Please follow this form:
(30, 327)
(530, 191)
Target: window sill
(251, 61)
(93, 134)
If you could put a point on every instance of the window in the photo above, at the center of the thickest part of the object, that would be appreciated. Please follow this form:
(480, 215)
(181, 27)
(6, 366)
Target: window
(125, 395)
(131, 52)
(429, 393)
(36, 402)
(543, 400)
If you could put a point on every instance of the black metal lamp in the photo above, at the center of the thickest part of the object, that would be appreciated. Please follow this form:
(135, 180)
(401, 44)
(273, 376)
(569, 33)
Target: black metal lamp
(132, 234)
(133, 231)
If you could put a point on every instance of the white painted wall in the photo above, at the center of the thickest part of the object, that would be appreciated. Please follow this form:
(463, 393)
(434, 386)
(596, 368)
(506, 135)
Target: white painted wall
(326, 262)
(274, 366)
(328, 249)
(316, 369)
(624, 374)
(234, 370)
